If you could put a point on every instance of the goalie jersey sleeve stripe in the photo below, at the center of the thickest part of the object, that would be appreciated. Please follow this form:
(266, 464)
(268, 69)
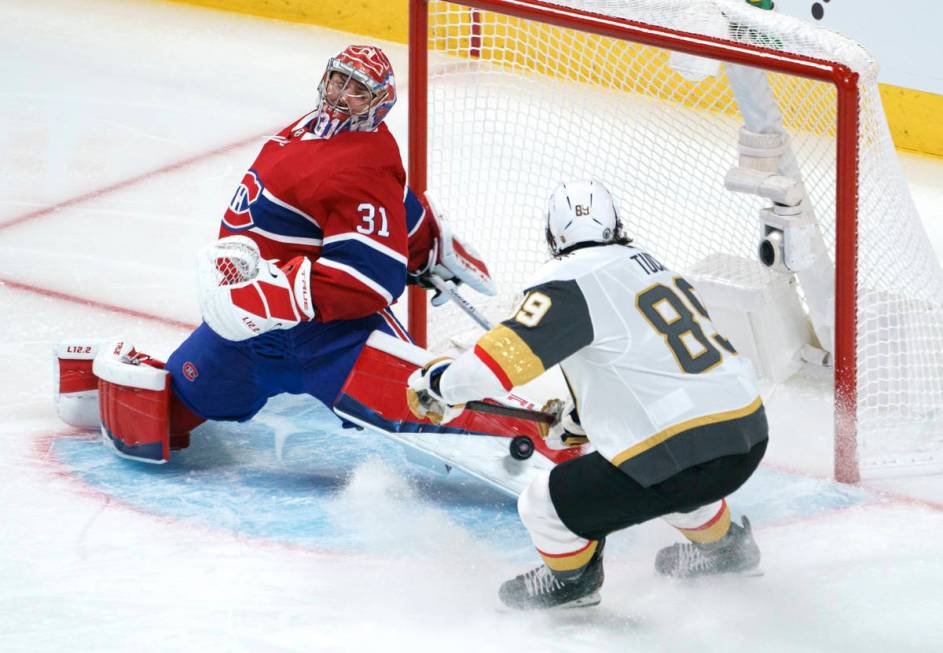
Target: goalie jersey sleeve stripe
(376, 268)
(278, 217)
(421, 232)
(551, 323)
(415, 213)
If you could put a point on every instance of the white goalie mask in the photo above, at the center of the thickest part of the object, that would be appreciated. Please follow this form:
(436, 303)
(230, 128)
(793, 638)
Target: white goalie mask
(582, 212)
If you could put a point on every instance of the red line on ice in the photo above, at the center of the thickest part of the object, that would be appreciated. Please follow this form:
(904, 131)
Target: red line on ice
(39, 213)
(55, 294)
(120, 185)
(880, 497)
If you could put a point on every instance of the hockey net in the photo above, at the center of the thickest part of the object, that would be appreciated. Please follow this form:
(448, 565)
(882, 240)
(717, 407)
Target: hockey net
(510, 97)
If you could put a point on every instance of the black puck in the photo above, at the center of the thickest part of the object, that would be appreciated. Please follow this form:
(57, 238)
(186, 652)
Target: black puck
(522, 447)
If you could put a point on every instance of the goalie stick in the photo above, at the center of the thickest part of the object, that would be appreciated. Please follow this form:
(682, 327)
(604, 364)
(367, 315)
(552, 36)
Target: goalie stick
(541, 417)
(373, 397)
(449, 289)
(522, 446)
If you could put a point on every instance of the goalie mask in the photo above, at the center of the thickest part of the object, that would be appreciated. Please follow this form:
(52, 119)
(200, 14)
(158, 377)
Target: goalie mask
(356, 92)
(582, 213)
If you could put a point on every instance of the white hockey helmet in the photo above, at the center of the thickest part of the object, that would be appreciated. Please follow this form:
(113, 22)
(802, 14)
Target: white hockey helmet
(582, 212)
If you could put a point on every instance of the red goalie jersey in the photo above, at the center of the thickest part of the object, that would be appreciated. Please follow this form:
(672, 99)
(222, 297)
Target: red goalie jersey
(339, 202)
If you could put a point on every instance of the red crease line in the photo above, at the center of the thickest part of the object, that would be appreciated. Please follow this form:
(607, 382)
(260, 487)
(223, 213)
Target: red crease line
(39, 213)
(83, 301)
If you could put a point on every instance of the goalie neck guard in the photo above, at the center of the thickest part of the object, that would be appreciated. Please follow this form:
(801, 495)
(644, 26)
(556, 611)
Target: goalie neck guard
(581, 214)
(356, 92)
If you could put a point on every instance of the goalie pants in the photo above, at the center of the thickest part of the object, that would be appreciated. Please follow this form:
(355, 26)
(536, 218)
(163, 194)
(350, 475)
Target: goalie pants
(221, 379)
(593, 498)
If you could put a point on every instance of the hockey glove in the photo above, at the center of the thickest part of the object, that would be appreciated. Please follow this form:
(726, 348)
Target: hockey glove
(452, 259)
(422, 393)
(243, 295)
(567, 431)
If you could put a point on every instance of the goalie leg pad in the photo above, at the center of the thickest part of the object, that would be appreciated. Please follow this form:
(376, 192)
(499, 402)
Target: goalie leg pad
(75, 383)
(374, 396)
(134, 401)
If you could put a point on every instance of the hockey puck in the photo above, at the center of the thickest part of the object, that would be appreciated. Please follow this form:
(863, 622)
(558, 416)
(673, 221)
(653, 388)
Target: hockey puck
(522, 447)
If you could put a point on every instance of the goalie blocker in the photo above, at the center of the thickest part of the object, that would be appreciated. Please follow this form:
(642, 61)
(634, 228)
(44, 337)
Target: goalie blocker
(450, 259)
(126, 394)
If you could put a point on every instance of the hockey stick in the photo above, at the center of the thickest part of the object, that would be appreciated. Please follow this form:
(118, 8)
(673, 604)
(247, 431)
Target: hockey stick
(522, 446)
(449, 289)
(539, 416)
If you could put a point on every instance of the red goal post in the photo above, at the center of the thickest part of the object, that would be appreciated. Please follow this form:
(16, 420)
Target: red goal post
(426, 36)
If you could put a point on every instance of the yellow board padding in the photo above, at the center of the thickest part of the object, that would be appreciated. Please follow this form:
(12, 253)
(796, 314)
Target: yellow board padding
(561, 53)
(914, 117)
(551, 51)
(383, 19)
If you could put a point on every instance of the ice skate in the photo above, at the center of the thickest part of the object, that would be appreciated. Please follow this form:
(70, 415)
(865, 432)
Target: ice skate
(735, 552)
(541, 588)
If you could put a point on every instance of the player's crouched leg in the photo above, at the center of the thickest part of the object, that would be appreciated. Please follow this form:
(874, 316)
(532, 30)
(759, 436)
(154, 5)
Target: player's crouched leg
(572, 572)
(715, 543)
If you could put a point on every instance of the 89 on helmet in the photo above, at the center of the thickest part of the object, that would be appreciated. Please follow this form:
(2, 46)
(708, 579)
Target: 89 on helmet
(356, 91)
(582, 213)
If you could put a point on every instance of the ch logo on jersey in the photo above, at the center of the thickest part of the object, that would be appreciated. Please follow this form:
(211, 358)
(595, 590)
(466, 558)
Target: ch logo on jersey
(238, 215)
(190, 371)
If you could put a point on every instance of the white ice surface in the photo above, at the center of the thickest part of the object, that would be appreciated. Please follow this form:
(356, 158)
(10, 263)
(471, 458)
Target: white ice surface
(242, 547)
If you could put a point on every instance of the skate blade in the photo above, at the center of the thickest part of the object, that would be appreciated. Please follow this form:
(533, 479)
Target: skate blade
(756, 571)
(585, 602)
(747, 573)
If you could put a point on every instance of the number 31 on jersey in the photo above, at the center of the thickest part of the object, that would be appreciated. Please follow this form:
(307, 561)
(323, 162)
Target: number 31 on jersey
(373, 220)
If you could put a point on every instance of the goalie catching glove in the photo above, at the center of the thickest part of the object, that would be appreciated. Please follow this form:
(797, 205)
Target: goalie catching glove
(451, 259)
(243, 295)
(422, 393)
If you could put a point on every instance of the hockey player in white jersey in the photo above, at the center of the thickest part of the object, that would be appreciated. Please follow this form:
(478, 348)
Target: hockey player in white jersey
(674, 414)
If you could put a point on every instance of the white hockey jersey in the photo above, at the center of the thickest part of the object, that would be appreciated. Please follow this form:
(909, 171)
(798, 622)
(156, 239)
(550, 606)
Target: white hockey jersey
(656, 387)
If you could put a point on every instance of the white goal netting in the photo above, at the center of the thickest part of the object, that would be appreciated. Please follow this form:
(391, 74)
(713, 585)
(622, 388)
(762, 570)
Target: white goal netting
(515, 106)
